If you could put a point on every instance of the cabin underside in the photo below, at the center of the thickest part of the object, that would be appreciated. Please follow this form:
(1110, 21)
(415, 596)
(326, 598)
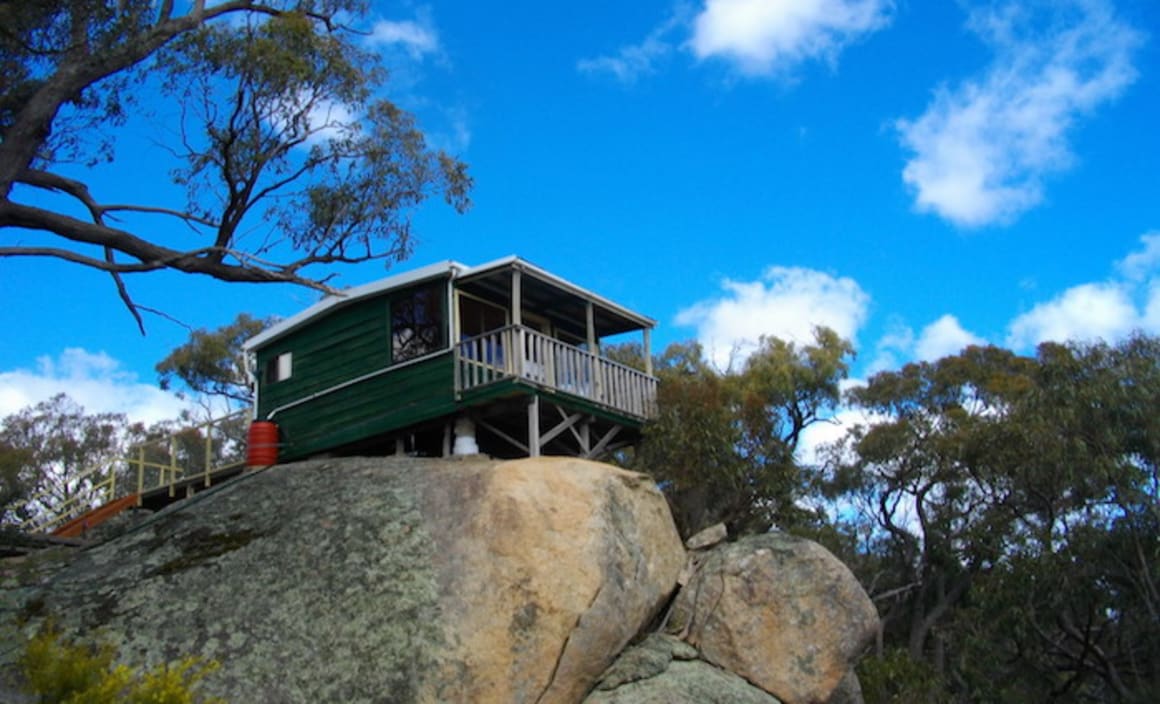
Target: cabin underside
(507, 420)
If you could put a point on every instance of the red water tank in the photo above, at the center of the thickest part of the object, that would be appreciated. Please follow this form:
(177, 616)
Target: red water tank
(262, 449)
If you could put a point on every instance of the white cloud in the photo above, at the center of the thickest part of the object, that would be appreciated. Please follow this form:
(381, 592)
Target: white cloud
(417, 37)
(630, 62)
(1151, 318)
(771, 38)
(787, 302)
(982, 150)
(1107, 310)
(95, 380)
(633, 61)
(942, 338)
(1086, 312)
(1138, 265)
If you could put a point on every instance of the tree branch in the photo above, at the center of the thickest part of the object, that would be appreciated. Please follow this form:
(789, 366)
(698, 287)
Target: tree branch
(151, 256)
(61, 184)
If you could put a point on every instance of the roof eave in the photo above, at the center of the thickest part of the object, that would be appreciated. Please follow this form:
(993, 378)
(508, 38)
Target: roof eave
(431, 271)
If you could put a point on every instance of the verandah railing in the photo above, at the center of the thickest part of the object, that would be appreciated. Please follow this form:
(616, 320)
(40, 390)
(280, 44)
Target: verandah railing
(517, 352)
(193, 452)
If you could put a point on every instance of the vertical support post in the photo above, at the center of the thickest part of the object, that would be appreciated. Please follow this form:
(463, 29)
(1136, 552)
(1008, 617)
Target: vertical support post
(594, 350)
(399, 446)
(172, 466)
(453, 301)
(648, 368)
(586, 437)
(446, 440)
(517, 296)
(140, 472)
(208, 450)
(534, 426)
(590, 314)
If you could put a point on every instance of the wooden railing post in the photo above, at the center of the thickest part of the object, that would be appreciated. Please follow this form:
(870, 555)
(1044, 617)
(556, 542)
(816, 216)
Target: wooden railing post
(518, 352)
(140, 473)
(172, 466)
(208, 450)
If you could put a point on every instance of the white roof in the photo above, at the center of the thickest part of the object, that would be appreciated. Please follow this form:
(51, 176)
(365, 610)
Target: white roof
(450, 268)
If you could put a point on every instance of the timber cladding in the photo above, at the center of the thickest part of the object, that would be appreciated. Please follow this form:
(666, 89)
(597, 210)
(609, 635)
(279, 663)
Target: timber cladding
(351, 342)
(412, 394)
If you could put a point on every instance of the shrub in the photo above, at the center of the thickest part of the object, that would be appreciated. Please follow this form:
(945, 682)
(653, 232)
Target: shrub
(60, 672)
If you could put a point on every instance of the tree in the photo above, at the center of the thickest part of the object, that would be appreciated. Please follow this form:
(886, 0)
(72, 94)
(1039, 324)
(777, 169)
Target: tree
(212, 365)
(283, 130)
(63, 453)
(723, 445)
(1009, 511)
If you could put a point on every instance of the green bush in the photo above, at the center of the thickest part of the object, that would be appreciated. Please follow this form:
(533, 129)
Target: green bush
(894, 678)
(59, 672)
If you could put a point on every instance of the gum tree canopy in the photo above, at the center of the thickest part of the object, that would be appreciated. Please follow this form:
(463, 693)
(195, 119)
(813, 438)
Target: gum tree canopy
(288, 153)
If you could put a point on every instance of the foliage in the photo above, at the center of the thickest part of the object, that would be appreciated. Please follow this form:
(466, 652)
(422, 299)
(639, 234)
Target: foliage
(723, 444)
(15, 479)
(212, 364)
(289, 155)
(1010, 520)
(59, 672)
(895, 678)
(50, 448)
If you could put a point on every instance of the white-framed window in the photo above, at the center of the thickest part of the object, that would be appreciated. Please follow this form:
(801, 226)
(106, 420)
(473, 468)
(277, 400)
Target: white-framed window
(279, 368)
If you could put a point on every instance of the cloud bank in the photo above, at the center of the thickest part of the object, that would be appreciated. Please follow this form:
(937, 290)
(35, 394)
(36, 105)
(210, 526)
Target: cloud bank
(756, 38)
(95, 380)
(786, 302)
(761, 38)
(1103, 310)
(983, 149)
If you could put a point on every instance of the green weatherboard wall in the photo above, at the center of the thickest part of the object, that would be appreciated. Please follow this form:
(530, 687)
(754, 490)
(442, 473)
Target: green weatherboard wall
(350, 342)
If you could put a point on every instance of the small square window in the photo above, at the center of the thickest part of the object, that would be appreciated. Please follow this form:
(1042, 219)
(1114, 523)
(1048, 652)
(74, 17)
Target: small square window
(279, 368)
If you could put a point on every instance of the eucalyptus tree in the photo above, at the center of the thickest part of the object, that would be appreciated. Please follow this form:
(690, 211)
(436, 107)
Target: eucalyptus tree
(1011, 510)
(289, 154)
(57, 453)
(724, 444)
(211, 364)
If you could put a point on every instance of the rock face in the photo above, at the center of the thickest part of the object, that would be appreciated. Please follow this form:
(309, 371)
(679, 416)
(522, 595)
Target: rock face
(665, 670)
(780, 611)
(388, 579)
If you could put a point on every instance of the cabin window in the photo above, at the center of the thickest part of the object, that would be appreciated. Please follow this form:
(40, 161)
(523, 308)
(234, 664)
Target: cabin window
(279, 368)
(417, 324)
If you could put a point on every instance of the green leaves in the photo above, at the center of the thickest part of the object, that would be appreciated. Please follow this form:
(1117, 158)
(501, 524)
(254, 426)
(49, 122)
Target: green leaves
(1012, 507)
(722, 445)
(212, 362)
(285, 135)
(46, 448)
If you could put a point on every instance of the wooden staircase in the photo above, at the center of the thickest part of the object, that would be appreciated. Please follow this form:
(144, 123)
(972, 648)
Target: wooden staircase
(77, 527)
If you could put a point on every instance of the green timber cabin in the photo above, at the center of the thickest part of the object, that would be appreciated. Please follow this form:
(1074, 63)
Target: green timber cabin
(502, 358)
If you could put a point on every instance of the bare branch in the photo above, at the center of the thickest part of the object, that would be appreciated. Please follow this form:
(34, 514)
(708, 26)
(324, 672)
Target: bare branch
(75, 258)
(123, 292)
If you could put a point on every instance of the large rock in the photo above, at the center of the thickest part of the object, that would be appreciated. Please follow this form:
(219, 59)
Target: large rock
(373, 580)
(665, 670)
(780, 611)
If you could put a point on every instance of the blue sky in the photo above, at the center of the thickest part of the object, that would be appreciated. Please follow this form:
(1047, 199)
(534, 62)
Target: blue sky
(918, 176)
